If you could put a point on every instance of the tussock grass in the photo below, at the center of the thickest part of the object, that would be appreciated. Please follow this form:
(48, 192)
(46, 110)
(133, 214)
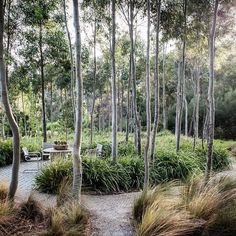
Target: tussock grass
(64, 192)
(6, 210)
(199, 210)
(31, 209)
(70, 219)
(3, 190)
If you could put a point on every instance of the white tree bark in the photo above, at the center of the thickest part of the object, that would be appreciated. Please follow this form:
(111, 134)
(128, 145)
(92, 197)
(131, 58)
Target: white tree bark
(210, 99)
(113, 84)
(156, 81)
(179, 105)
(164, 92)
(148, 106)
(71, 59)
(133, 79)
(9, 114)
(77, 162)
(196, 114)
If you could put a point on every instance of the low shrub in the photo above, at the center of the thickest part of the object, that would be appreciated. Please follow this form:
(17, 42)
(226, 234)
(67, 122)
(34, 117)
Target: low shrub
(126, 175)
(221, 158)
(52, 175)
(104, 176)
(168, 166)
(199, 210)
(6, 152)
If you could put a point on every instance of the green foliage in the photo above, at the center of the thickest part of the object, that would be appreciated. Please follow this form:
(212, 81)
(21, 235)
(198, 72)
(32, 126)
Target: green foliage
(6, 152)
(104, 176)
(52, 175)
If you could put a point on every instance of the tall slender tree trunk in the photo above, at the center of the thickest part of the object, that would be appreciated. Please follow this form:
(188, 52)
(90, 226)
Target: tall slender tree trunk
(196, 118)
(65, 115)
(148, 105)
(133, 79)
(128, 105)
(178, 106)
(118, 98)
(3, 125)
(9, 114)
(185, 103)
(186, 116)
(94, 81)
(71, 60)
(51, 97)
(113, 83)
(181, 84)
(9, 34)
(156, 81)
(121, 105)
(23, 109)
(164, 91)
(44, 124)
(210, 99)
(77, 162)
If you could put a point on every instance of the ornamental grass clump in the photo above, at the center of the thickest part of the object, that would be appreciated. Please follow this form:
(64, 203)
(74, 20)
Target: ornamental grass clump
(3, 190)
(198, 209)
(69, 219)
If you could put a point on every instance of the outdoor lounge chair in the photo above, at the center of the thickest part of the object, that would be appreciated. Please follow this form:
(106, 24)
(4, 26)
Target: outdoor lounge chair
(31, 156)
(96, 152)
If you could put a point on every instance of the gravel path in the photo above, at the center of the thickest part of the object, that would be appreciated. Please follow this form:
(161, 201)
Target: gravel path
(110, 214)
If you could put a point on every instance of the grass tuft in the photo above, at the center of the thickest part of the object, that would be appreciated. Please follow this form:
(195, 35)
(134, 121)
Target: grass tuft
(31, 209)
(3, 191)
(198, 210)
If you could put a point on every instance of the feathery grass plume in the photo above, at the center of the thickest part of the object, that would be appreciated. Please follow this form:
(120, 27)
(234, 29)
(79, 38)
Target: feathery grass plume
(3, 190)
(56, 224)
(6, 208)
(147, 198)
(69, 219)
(31, 209)
(199, 210)
(75, 214)
(64, 192)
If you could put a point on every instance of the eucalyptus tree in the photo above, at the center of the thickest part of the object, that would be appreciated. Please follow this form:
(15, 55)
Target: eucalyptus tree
(156, 81)
(130, 10)
(71, 57)
(95, 14)
(164, 112)
(36, 15)
(113, 82)
(148, 105)
(77, 161)
(8, 111)
(210, 98)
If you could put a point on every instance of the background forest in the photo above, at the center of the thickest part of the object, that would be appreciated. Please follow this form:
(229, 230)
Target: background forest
(39, 44)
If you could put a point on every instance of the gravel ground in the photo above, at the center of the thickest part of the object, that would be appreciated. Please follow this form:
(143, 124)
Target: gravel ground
(110, 214)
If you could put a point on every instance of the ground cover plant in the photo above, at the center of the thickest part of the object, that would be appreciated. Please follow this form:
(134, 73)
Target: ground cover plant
(30, 218)
(190, 209)
(101, 175)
